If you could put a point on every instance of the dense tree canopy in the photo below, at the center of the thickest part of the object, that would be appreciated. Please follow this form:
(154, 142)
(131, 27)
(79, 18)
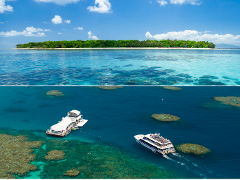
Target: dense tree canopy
(117, 43)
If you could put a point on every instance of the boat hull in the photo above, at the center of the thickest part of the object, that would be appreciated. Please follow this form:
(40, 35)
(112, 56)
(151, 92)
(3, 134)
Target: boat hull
(54, 134)
(155, 150)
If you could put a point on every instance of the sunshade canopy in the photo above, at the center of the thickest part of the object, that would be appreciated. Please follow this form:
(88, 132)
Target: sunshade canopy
(62, 125)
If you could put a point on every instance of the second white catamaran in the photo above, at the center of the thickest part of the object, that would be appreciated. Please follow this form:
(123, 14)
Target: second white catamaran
(156, 143)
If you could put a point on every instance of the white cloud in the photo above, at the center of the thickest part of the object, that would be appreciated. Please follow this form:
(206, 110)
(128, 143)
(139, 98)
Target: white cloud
(90, 36)
(1, 22)
(150, 2)
(30, 31)
(192, 2)
(58, 2)
(104, 6)
(68, 21)
(59, 33)
(57, 19)
(162, 2)
(79, 28)
(3, 7)
(196, 36)
(148, 35)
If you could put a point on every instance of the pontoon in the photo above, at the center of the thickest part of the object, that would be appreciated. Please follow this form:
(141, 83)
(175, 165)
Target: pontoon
(74, 119)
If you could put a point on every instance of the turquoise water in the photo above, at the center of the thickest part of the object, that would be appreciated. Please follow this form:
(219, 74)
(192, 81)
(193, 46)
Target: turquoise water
(115, 116)
(120, 67)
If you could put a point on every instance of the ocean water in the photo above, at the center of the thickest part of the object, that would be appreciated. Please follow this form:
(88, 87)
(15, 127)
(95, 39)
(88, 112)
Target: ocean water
(120, 67)
(115, 116)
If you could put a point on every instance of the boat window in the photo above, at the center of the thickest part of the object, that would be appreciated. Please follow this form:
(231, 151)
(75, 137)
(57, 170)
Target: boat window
(149, 144)
(152, 141)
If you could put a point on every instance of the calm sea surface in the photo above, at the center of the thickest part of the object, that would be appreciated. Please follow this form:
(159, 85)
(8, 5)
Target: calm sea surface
(115, 116)
(120, 67)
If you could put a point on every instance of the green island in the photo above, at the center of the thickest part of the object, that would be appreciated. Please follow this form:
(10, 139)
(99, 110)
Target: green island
(118, 43)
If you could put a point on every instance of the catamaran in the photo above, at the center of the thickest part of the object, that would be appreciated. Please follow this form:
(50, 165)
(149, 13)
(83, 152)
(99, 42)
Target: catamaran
(73, 120)
(156, 143)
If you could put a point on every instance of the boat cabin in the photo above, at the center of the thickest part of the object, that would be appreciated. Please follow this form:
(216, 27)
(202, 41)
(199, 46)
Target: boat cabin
(74, 113)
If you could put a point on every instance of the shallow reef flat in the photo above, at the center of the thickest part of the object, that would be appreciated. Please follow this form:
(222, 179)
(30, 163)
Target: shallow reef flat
(54, 93)
(193, 149)
(172, 88)
(120, 67)
(165, 117)
(229, 100)
(110, 87)
(109, 76)
(80, 160)
(55, 155)
(16, 155)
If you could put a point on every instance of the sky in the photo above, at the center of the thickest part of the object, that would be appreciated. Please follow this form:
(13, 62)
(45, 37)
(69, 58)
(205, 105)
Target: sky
(23, 21)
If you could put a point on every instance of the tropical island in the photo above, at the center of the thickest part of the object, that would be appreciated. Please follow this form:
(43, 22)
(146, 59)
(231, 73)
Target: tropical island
(118, 44)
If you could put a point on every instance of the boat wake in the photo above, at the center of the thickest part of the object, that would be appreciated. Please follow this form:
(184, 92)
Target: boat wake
(189, 165)
(167, 157)
(182, 157)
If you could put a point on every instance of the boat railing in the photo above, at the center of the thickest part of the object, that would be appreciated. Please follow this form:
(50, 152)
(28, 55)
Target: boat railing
(151, 141)
(158, 143)
(160, 139)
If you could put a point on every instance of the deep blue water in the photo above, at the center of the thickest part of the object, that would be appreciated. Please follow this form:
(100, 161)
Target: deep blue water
(115, 116)
(120, 67)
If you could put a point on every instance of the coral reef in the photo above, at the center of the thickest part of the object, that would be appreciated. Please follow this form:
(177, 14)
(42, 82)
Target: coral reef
(55, 93)
(229, 100)
(209, 77)
(172, 88)
(109, 87)
(55, 155)
(97, 161)
(165, 117)
(103, 76)
(206, 81)
(83, 160)
(15, 155)
(193, 149)
(72, 172)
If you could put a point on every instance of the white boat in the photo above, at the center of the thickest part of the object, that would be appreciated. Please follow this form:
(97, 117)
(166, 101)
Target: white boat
(156, 143)
(74, 119)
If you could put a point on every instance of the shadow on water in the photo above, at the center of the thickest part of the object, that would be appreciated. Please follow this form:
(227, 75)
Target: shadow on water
(15, 110)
